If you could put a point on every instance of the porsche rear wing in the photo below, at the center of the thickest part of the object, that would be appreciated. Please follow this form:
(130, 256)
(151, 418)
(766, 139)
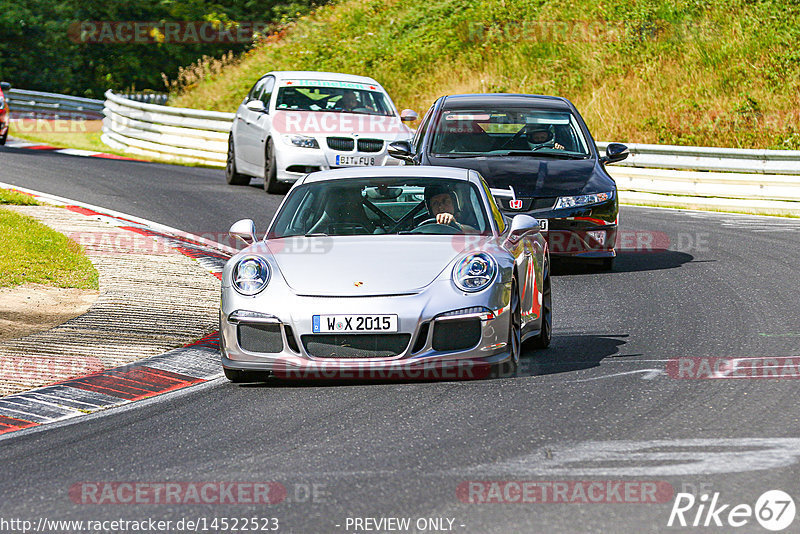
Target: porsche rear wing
(504, 193)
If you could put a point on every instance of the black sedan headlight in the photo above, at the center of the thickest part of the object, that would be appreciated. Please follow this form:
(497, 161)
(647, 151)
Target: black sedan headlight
(583, 200)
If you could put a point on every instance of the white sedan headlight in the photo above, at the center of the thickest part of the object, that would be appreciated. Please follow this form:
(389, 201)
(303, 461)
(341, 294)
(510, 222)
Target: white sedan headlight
(475, 272)
(250, 275)
(302, 141)
(583, 200)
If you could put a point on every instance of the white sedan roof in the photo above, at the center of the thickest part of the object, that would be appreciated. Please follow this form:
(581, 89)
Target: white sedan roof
(316, 75)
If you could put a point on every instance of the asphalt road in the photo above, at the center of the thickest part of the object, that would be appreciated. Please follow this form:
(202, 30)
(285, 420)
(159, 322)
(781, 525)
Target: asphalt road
(599, 405)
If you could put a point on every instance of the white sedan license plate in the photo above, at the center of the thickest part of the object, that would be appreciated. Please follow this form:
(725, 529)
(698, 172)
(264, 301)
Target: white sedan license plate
(324, 324)
(543, 224)
(356, 161)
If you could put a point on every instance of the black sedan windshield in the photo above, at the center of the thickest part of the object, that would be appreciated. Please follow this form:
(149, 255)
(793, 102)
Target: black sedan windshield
(524, 131)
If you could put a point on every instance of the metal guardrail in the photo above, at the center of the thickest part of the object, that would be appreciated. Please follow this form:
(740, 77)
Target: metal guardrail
(181, 134)
(723, 178)
(38, 105)
(712, 159)
(148, 98)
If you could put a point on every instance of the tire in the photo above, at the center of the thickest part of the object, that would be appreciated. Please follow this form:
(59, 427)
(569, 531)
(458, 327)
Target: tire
(241, 377)
(542, 340)
(509, 367)
(3, 139)
(231, 176)
(271, 183)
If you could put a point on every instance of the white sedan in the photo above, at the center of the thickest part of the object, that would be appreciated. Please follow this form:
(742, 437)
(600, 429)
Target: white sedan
(292, 123)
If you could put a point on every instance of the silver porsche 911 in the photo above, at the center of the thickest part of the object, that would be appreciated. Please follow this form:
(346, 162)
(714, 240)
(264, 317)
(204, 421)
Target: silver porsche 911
(385, 272)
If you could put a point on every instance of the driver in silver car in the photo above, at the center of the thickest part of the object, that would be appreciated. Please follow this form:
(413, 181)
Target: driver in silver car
(442, 204)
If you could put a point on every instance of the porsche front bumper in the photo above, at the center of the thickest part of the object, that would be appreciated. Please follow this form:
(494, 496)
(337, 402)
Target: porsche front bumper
(437, 336)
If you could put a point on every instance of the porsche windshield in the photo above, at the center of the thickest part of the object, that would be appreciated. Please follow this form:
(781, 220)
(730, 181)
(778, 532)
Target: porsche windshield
(372, 206)
(498, 132)
(333, 99)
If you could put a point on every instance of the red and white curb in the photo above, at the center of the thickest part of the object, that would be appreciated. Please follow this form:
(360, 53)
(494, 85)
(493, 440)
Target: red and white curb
(192, 364)
(17, 143)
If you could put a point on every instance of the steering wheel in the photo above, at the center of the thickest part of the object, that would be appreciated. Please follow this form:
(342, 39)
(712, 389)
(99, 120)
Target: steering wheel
(430, 226)
(516, 137)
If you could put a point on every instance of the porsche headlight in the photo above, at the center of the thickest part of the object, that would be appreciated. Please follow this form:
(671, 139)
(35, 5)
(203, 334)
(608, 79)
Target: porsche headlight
(475, 272)
(583, 200)
(302, 141)
(250, 275)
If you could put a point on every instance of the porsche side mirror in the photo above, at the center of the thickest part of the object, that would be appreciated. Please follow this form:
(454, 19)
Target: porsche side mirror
(401, 150)
(5, 86)
(615, 152)
(520, 225)
(255, 105)
(408, 115)
(244, 231)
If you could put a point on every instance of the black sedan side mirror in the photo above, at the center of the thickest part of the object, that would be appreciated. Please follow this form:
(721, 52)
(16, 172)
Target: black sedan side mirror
(615, 152)
(5, 86)
(401, 150)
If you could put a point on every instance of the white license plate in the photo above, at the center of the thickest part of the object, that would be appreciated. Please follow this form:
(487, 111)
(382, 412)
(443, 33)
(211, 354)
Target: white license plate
(356, 161)
(543, 224)
(324, 324)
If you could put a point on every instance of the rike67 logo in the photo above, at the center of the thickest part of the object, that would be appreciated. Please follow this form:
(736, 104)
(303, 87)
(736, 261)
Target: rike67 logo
(774, 510)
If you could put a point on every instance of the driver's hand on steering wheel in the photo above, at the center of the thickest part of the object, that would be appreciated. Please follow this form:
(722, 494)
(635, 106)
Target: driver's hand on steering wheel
(446, 218)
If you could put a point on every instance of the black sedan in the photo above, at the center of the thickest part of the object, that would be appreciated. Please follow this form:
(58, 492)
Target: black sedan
(538, 157)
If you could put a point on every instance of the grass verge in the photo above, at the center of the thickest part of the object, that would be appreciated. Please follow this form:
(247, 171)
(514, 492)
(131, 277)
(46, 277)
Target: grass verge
(9, 196)
(712, 73)
(34, 253)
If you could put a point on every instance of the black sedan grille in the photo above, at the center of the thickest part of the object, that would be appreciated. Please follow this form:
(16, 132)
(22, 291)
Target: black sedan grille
(341, 143)
(370, 145)
(355, 345)
(530, 204)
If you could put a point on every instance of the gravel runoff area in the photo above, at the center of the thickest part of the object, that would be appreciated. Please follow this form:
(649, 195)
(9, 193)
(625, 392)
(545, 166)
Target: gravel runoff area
(152, 299)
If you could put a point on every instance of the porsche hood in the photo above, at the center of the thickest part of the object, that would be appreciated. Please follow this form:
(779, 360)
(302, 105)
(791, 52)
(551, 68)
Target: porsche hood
(364, 265)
